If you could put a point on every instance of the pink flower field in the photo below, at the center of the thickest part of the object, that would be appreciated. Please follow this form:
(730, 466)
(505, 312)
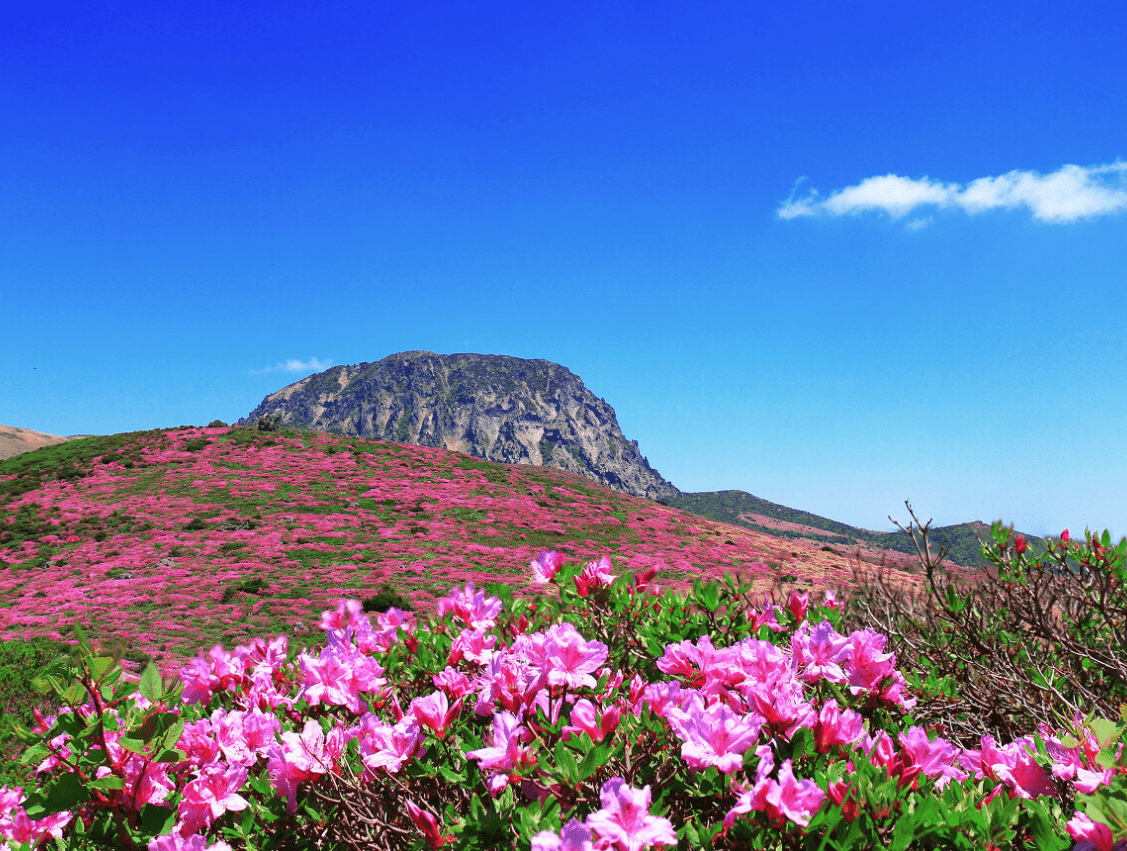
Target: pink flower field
(173, 540)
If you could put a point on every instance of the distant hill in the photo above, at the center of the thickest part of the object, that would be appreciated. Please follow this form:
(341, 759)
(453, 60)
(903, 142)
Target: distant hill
(494, 407)
(15, 440)
(751, 512)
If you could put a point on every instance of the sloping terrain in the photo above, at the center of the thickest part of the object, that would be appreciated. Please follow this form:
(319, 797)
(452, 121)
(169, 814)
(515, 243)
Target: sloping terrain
(167, 541)
(15, 441)
(751, 512)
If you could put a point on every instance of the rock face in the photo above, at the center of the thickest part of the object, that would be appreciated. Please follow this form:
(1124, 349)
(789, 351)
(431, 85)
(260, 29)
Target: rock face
(492, 406)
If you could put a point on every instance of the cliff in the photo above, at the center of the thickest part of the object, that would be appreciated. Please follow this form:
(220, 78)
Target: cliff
(491, 406)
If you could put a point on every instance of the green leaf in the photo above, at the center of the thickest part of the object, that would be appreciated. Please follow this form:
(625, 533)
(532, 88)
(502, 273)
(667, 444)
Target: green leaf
(132, 745)
(152, 686)
(65, 792)
(157, 821)
(451, 776)
(566, 762)
(708, 596)
(111, 781)
(100, 666)
(36, 753)
(75, 694)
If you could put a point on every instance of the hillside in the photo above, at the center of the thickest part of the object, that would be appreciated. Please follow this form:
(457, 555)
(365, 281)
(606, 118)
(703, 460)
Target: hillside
(15, 441)
(166, 541)
(751, 512)
(494, 407)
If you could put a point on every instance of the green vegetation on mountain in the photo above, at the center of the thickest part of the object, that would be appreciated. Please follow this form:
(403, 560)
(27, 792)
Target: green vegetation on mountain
(962, 540)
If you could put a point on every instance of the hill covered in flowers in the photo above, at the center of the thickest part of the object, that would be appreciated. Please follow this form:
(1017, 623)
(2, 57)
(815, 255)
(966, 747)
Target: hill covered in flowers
(160, 542)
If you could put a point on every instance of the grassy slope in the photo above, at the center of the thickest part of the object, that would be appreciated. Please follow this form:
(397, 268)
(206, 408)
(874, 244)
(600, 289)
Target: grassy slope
(149, 540)
(742, 509)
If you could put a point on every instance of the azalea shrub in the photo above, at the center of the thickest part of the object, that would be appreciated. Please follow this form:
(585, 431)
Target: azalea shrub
(599, 713)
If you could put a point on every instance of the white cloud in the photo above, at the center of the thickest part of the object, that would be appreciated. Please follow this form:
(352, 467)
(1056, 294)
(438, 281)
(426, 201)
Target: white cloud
(1070, 193)
(294, 365)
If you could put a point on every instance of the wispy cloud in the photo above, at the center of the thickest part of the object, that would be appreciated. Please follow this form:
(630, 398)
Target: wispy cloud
(294, 365)
(1070, 193)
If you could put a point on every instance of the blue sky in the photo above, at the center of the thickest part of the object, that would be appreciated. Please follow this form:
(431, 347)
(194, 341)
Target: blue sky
(836, 255)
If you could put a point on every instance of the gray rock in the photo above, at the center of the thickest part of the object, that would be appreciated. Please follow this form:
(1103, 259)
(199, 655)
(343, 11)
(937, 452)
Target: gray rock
(495, 407)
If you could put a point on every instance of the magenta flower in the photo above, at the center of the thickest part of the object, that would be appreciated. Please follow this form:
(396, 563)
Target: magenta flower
(472, 644)
(937, 759)
(586, 718)
(427, 824)
(388, 746)
(798, 604)
(176, 842)
(713, 735)
(597, 574)
(574, 836)
(435, 712)
(788, 797)
(1092, 836)
(570, 659)
(507, 754)
(625, 823)
(299, 758)
(337, 677)
(546, 566)
(819, 652)
(836, 728)
(1014, 764)
(212, 792)
(475, 610)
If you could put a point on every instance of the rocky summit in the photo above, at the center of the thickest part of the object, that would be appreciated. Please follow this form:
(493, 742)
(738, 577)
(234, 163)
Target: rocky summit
(495, 407)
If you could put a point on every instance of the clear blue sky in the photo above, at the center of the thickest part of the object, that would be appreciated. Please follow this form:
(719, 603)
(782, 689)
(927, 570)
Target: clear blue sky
(834, 254)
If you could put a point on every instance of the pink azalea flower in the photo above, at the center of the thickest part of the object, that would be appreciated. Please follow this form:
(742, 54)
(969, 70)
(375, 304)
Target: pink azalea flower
(475, 610)
(176, 842)
(625, 823)
(819, 651)
(570, 659)
(836, 728)
(297, 759)
(546, 566)
(453, 682)
(510, 682)
(781, 702)
(15, 824)
(388, 746)
(788, 797)
(585, 718)
(798, 604)
(472, 644)
(937, 759)
(597, 574)
(574, 836)
(1016, 766)
(1092, 836)
(212, 792)
(507, 754)
(435, 712)
(427, 824)
(713, 735)
(337, 677)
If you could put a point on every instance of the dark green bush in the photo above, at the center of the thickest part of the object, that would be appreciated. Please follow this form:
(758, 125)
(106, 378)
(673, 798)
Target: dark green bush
(384, 599)
(254, 585)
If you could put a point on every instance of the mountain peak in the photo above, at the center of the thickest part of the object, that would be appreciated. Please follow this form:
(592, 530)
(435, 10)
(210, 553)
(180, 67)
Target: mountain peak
(495, 407)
